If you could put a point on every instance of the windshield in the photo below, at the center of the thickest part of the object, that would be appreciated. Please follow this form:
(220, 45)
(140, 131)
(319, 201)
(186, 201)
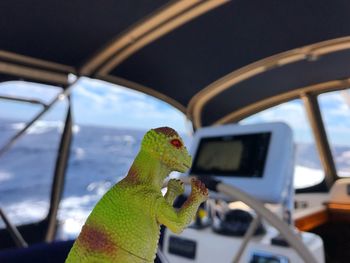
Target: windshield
(335, 109)
(112, 121)
(26, 169)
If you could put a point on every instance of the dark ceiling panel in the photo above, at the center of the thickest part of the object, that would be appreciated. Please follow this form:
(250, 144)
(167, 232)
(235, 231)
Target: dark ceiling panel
(296, 75)
(238, 33)
(4, 78)
(67, 32)
(189, 58)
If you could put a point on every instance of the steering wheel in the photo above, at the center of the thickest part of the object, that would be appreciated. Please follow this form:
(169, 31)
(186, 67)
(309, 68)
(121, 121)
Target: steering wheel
(291, 237)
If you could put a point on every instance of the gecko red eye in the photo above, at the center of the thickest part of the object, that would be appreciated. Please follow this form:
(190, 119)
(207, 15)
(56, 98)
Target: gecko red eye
(176, 142)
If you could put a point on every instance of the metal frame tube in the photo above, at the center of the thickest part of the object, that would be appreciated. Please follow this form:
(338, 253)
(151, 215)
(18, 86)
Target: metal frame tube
(59, 176)
(61, 95)
(62, 158)
(315, 118)
(31, 101)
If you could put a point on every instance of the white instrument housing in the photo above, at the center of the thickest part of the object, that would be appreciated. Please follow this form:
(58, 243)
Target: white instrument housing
(277, 171)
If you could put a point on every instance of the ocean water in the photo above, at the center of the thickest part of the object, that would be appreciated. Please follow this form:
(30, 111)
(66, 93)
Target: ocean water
(99, 157)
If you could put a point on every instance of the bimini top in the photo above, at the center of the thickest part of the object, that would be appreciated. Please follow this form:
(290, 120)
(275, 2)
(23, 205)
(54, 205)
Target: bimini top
(208, 58)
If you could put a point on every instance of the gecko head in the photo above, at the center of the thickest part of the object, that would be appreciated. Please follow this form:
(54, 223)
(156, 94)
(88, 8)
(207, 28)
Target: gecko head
(167, 146)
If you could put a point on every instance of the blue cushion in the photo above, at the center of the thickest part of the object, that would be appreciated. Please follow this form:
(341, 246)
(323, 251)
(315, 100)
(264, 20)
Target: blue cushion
(55, 252)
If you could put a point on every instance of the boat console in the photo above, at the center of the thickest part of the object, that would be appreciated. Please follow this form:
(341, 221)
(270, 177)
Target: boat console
(257, 160)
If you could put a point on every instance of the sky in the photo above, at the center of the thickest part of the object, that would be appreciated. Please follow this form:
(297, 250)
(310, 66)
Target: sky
(97, 102)
(335, 112)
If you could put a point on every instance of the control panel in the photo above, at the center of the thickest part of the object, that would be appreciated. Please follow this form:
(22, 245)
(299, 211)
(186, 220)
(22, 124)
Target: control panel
(201, 246)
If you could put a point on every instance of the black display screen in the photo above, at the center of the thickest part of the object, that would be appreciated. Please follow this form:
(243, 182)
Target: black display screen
(232, 155)
(260, 258)
(182, 247)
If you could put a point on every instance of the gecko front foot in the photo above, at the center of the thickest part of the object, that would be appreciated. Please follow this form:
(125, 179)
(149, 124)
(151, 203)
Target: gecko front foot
(199, 191)
(176, 187)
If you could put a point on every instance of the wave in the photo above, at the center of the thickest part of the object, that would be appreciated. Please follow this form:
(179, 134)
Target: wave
(100, 188)
(73, 213)
(5, 176)
(74, 209)
(76, 129)
(26, 212)
(79, 153)
(344, 173)
(127, 139)
(40, 127)
(305, 176)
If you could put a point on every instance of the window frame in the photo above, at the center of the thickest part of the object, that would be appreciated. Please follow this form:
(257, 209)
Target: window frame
(309, 95)
(49, 223)
(324, 125)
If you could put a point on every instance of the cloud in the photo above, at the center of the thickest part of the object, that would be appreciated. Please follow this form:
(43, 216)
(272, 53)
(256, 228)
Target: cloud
(29, 90)
(291, 113)
(80, 93)
(334, 98)
(335, 103)
(336, 115)
(97, 102)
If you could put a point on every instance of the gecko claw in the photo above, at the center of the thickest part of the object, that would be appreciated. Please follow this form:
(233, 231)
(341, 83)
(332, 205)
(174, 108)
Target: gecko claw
(199, 190)
(176, 186)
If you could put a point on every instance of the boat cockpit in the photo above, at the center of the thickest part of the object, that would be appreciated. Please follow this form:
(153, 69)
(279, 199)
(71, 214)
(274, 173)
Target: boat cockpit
(257, 161)
(264, 86)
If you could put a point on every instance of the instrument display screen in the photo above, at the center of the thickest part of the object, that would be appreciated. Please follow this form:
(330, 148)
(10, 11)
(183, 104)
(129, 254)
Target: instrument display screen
(267, 258)
(232, 155)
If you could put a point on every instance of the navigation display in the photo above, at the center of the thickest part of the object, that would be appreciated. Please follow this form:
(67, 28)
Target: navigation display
(232, 155)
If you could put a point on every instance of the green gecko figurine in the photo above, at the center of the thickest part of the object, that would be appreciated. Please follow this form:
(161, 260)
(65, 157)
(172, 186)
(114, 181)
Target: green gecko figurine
(124, 226)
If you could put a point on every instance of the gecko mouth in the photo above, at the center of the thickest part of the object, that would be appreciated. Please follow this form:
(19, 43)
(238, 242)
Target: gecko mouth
(183, 167)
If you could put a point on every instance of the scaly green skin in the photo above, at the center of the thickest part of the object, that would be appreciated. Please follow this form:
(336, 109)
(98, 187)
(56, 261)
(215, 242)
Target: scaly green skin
(125, 224)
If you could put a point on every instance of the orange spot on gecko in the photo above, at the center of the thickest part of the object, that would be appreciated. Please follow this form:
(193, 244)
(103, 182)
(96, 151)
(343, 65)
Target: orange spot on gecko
(169, 132)
(189, 201)
(132, 176)
(94, 239)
